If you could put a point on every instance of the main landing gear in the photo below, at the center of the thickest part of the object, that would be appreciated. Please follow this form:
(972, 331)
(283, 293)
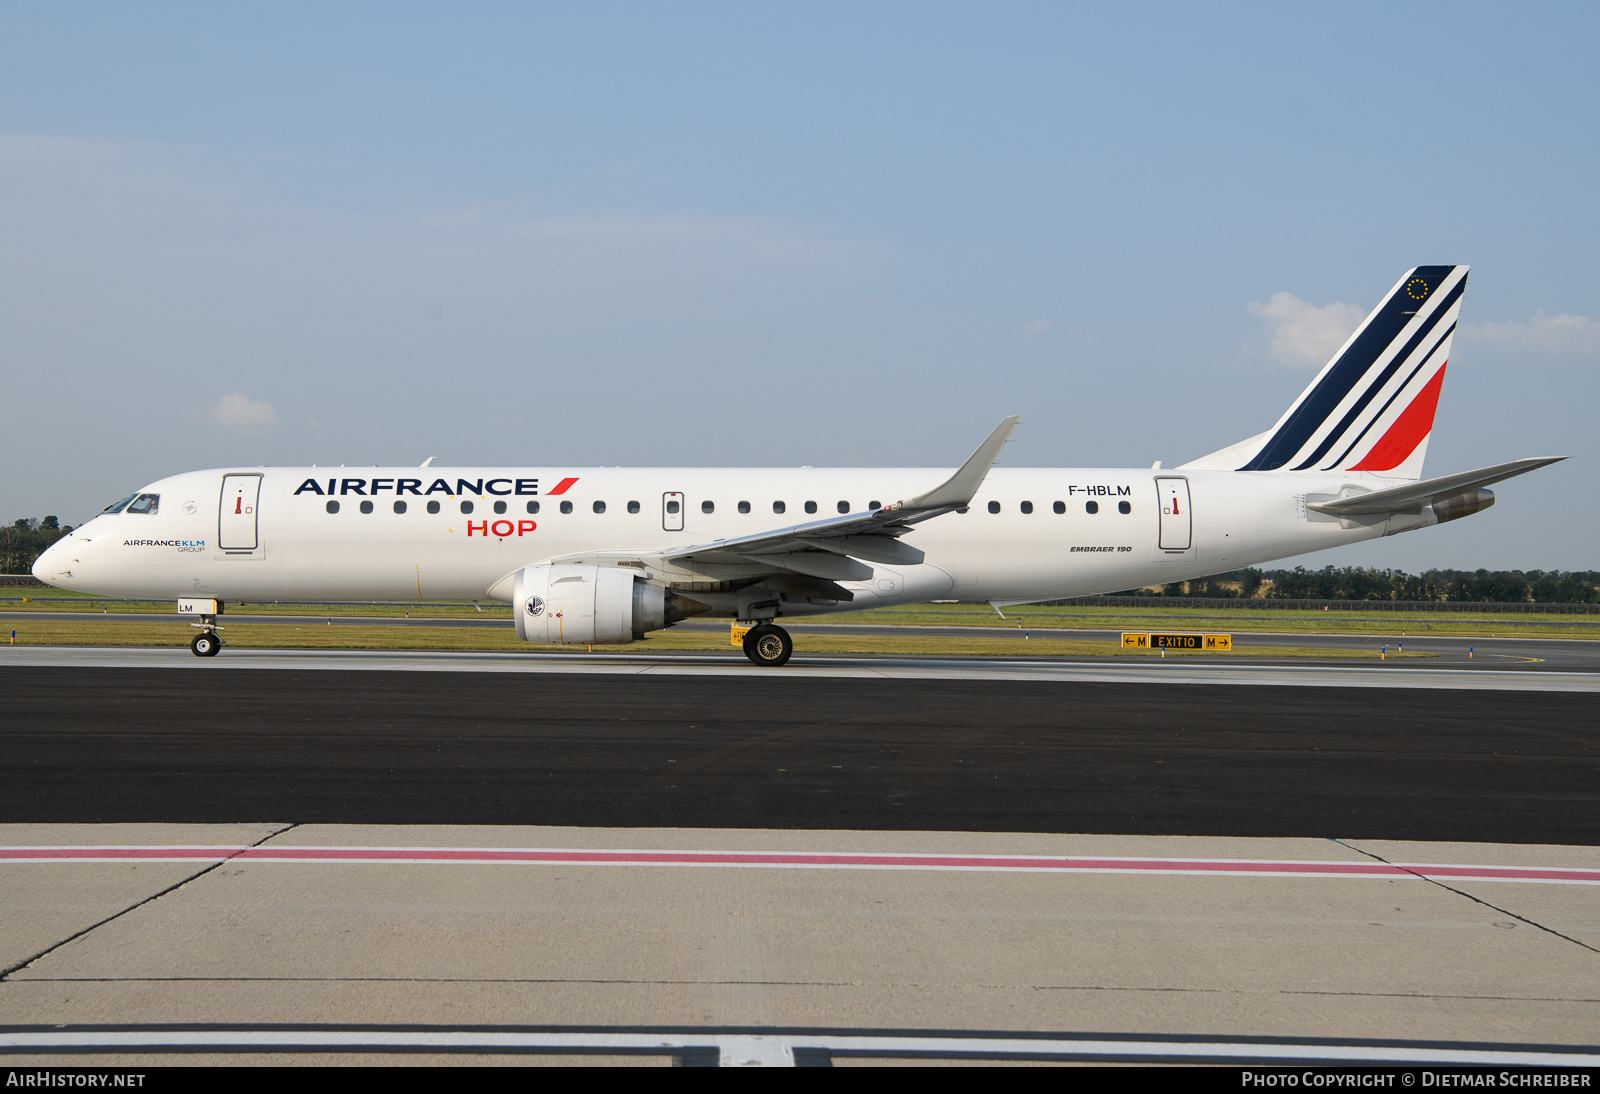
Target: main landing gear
(208, 643)
(768, 645)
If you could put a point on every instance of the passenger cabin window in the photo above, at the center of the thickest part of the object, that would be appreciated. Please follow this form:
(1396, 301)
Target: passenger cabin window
(1124, 508)
(147, 504)
(672, 507)
(332, 507)
(366, 507)
(466, 507)
(708, 507)
(874, 505)
(778, 507)
(1026, 507)
(533, 507)
(118, 506)
(843, 507)
(1059, 507)
(744, 507)
(994, 507)
(599, 507)
(499, 507)
(399, 507)
(811, 507)
(433, 507)
(566, 507)
(633, 507)
(1091, 507)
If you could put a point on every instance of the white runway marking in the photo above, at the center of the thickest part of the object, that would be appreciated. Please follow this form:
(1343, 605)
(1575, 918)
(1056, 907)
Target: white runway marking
(798, 860)
(779, 1047)
(1186, 671)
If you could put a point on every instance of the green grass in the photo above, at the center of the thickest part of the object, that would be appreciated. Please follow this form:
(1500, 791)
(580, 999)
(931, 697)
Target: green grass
(1034, 619)
(100, 632)
(1241, 620)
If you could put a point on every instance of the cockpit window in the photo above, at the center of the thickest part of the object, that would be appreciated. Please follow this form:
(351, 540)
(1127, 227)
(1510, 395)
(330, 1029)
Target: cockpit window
(116, 507)
(146, 503)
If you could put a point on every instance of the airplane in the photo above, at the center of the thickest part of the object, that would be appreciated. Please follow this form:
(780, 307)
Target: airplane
(608, 555)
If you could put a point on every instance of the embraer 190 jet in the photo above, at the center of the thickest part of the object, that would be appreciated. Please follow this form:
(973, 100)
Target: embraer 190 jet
(607, 555)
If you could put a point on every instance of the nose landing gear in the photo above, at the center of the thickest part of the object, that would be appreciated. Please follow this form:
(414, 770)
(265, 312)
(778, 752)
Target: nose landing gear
(208, 643)
(768, 645)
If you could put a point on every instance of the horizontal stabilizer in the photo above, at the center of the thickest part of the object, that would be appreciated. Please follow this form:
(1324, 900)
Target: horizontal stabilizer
(1412, 496)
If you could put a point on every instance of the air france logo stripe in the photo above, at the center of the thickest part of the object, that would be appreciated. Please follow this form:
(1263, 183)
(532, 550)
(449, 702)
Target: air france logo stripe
(1408, 430)
(1388, 372)
(1399, 391)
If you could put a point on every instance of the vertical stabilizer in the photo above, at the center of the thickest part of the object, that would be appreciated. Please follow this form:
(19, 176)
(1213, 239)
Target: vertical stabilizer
(1371, 408)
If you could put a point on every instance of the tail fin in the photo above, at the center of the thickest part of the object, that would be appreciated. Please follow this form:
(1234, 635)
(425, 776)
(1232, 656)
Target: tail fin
(1371, 407)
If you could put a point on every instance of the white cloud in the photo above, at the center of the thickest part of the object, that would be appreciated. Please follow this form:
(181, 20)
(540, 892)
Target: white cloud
(242, 414)
(1555, 334)
(1304, 335)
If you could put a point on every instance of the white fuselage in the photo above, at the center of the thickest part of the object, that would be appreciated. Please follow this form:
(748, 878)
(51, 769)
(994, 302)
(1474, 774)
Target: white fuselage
(202, 542)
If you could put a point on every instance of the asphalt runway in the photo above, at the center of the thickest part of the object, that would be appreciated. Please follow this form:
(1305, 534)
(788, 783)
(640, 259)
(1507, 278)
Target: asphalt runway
(771, 750)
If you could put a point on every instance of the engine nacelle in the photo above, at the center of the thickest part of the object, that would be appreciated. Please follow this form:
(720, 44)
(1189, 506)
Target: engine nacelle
(571, 604)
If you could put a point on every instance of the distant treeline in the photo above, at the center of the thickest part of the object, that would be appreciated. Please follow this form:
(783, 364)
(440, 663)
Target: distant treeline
(1354, 583)
(25, 541)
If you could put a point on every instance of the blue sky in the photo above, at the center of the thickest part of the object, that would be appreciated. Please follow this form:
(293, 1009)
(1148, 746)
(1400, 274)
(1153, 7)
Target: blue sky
(753, 234)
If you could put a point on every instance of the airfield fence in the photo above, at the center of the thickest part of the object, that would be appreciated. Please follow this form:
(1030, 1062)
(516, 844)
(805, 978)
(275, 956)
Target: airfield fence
(1277, 604)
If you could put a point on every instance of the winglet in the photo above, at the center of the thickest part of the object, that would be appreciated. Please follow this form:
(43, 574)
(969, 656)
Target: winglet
(958, 490)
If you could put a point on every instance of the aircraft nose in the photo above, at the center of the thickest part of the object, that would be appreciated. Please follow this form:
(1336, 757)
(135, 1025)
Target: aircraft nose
(48, 562)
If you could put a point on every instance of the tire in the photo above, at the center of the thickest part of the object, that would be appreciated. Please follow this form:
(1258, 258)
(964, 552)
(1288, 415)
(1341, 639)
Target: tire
(205, 644)
(768, 646)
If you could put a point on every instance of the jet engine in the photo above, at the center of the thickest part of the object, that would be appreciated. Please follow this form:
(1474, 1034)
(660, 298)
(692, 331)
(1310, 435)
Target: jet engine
(567, 603)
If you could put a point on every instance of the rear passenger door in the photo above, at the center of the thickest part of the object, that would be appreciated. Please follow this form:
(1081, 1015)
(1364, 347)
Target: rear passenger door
(1176, 523)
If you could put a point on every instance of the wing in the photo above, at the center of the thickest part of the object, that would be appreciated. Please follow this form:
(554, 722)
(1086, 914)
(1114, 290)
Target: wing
(1413, 496)
(830, 548)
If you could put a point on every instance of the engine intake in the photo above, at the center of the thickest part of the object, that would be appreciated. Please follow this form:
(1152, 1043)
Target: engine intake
(571, 604)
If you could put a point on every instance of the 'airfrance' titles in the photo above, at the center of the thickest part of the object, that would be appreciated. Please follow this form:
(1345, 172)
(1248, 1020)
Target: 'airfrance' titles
(502, 487)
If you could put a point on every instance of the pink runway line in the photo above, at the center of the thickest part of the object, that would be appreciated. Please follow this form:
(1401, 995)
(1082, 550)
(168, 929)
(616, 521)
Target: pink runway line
(834, 860)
